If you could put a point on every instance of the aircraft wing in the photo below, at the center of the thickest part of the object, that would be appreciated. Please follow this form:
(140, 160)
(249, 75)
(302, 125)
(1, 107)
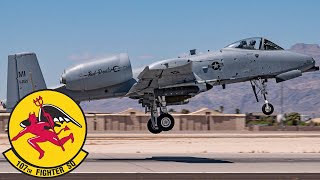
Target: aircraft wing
(165, 75)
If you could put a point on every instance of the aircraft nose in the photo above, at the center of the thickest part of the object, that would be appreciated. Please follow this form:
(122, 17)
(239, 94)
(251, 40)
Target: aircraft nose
(313, 61)
(299, 61)
(309, 61)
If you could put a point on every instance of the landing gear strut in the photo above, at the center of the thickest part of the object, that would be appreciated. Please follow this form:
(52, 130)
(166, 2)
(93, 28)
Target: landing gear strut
(261, 84)
(164, 122)
(153, 122)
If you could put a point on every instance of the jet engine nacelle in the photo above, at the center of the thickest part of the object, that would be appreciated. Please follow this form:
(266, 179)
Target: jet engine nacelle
(288, 75)
(98, 74)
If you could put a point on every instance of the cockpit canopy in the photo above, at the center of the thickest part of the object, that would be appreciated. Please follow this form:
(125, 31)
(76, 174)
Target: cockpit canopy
(256, 43)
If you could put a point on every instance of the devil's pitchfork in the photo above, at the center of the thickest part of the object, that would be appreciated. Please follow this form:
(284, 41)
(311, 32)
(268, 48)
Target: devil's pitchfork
(39, 102)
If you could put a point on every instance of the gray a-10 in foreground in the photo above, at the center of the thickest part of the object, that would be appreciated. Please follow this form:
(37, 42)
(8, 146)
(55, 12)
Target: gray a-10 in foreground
(167, 82)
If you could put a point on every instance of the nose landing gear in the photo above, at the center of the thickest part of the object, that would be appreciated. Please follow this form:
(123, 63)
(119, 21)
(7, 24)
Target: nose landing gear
(267, 108)
(261, 84)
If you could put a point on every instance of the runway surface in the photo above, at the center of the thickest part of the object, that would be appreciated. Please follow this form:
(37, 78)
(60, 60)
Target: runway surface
(193, 156)
(189, 163)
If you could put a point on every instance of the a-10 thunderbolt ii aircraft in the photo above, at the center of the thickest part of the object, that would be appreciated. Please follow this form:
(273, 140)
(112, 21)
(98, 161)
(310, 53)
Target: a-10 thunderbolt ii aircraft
(167, 82)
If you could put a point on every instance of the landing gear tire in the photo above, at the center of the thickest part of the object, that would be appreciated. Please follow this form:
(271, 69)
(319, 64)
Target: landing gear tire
(267, 109)
(165, 122)
(153, 129)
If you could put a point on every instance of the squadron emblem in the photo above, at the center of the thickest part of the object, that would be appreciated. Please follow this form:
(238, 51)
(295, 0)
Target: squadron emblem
(47, 130)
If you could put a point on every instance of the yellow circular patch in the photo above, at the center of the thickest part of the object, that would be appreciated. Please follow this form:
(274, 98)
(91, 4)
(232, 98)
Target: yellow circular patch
(47, 129)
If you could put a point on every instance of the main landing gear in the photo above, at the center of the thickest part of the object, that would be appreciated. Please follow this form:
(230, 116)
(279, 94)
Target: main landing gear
(164, 122)
(261, 84)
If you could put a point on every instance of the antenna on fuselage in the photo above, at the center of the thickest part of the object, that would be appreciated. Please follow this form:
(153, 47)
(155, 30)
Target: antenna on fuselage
(193, 52)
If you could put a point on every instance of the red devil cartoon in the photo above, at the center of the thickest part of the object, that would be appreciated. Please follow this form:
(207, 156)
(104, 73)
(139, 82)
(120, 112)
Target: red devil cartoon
(43, 126)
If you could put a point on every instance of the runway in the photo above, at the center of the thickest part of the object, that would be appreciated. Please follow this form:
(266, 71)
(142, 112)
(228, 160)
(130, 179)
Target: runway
(194, 163)
(195, 156)
(207, 163)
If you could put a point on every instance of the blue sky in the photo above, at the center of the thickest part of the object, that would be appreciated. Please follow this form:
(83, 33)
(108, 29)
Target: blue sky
(64, 33)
